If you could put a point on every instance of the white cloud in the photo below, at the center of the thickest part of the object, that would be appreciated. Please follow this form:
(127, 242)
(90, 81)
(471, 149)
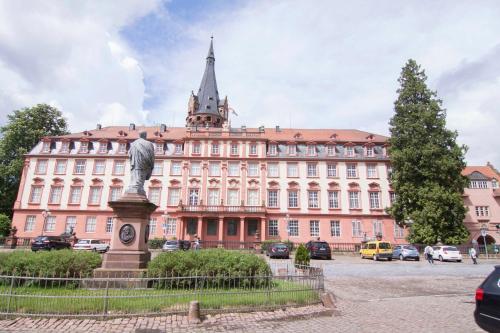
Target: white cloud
(70, 54)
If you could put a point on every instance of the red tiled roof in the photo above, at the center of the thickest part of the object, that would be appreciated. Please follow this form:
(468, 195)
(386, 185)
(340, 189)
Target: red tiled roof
(282, 135)
(485, 170)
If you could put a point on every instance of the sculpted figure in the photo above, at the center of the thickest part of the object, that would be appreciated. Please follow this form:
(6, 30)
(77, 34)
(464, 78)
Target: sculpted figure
(142, 160)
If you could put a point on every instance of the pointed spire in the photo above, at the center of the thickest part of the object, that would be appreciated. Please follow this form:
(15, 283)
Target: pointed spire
(208, 96)
(211, 49)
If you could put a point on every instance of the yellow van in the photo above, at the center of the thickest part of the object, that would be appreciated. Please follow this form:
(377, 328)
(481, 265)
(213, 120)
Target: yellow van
(376, 250)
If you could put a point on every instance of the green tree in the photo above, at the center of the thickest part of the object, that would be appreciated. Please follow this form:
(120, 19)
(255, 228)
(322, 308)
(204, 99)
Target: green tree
(427, 164)
(4, 225)
(22, 132)
(302, 256)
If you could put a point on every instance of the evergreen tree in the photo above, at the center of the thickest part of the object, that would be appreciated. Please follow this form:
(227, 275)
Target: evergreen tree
(427, 164)
(25, 128)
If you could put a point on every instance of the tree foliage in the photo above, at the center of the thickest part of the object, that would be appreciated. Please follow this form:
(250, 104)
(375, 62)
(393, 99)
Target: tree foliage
(4, 225)
(24, 129)
(427, 164)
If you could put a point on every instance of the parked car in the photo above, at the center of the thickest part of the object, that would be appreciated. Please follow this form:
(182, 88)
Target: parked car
(403, 252)
(49, 243)
(171, 245)
(278, 250)
(319, 249)
(487, 313)
(446, 252)
(376, 250)
(95, 245)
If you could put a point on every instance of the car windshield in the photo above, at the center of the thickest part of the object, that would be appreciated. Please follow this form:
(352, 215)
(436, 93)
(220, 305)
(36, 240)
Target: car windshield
(413, 248)
(40, 238)
(384, 246)
(450, 248)
(280, 246)
(83, 241)
(320, 244)
(171, 242)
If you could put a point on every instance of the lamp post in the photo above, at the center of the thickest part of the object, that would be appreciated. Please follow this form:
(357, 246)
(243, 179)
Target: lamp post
(45, 214)
(287, 218)
(484, 232)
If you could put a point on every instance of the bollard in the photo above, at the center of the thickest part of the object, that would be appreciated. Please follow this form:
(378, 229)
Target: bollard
(194, 312)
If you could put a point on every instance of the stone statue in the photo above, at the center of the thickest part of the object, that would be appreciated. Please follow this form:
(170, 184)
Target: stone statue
(142, 160)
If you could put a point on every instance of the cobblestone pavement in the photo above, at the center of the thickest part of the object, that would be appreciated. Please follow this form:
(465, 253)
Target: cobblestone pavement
(370, 297)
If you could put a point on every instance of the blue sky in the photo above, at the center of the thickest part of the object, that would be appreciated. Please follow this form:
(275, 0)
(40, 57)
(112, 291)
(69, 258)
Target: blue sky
(321, 64)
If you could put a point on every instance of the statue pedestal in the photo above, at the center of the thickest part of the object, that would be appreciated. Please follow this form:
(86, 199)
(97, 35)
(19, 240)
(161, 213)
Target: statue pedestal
(128, 249)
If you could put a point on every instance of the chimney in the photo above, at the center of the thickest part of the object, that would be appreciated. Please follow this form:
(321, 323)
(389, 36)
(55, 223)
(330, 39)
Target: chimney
(243, 128)
(163, 128)
(261, 129)
(131, 127)
(99, 126)
(278, 129)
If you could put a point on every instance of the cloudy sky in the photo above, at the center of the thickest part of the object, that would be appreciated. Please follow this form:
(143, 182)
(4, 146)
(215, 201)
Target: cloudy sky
(321, 64)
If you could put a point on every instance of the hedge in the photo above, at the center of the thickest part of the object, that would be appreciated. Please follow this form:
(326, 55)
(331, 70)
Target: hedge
(156, 243)
(59, 263)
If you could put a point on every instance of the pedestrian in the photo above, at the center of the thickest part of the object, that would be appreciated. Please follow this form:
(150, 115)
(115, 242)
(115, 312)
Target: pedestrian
(196, 242)
(473, 255)
(429, 251)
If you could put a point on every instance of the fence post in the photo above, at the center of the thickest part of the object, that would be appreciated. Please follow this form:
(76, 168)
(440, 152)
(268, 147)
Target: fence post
(10, 293)
(106, 299)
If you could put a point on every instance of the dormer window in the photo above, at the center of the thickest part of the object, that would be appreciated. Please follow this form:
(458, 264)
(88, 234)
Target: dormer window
(330, 150)
(369, 152)
(350, 151)
(273, 149)
(84, 147)
(178, 148)
(159, 147)
(292, 149)
(46, 147)
(122, 148)
(103, 148)
(311, 150)
(65, 147)
(494, 183)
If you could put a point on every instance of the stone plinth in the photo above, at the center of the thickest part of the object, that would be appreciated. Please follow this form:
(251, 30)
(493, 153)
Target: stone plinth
(129, 252)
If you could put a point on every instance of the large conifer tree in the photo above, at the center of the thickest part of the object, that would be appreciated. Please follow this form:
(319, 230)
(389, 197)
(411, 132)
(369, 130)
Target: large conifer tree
(427, 164)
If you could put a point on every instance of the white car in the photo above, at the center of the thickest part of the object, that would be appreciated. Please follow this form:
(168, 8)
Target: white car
(446, 252)
(95, 245)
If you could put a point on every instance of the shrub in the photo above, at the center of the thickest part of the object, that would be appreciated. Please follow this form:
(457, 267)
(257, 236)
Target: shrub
(267, 243)
(302, 256)
(50, 263)
(156, 243)
(223, 268)
(4, 225)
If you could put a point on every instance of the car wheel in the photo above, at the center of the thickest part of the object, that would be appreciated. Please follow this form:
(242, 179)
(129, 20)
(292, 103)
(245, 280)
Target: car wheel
(329, 258)
(441, 258)
(401, 257)
(417, 259)
(375, 258)
(459, 260)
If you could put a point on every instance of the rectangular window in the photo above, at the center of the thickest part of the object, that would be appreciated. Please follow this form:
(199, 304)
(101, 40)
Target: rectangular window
(330, 150)
(103, 148)
(122, 148)
(192, 226)
(314, 228)
(194, 195)
(215, 148)
(60, 168)
(374, 200)
(212, 227)
(398, 231)
(273, 149)
(335, 228)
(234, 149)
(213, 197)
(377, 228)
(272, 198)
(170, 227)
(159, 148)
(311, 150)
(354, 200)
(478, 184)
(178, 149)
(175, 168)
(36, 194)
(95, 195)
(312, 170)
(195, 169)
(115, 193)
(119, 168)
(352, 171)
(292, 149)
(232, 228)
(272, 227)
(313, 199)
(109, 225)
(272, 170)
(253, 197)
(29, 225)
(55, 195)
(152, 226)
(293, 199)
(214, 169)
(369, 152)
(371, 170)
(99, 167)
(158, 168)
(292, 170)
(331, 170)
(233, 169)
(333, 199)
(392, 197)
(174, 196)
(64, 147)
(350, 151)
(84, 147)
(90, 224)
(233, 198)
(80, 167)
(70, 224)
(253, 169)
(253, 149)
(482, 211)
(75, 194)
(41, 167)
(293, 228)
(154, 195)
(46, 147)
(50, 224)
(356, 228)
(196, 148)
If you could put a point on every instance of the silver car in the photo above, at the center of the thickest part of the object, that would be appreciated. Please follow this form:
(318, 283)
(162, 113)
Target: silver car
(403, 252)
(171, 245)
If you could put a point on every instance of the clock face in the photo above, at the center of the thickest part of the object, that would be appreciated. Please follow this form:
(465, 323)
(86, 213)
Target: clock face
(127, 234)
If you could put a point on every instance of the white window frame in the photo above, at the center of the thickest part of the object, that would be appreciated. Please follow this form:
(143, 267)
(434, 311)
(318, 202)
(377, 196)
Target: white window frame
(176, 168)
(174, 196)
(354, 202)
(292, 170)
(272, 228)
(357, 228)
(90, 224)
(29, 224)
(293, 228)
(374, 199)
(293, 199)
(273, 200)
(214, 169)
(333, 199)
(273, 170)
(352, 170)
(312, 169)
(313, 198)
(314, 228)
(335, 230)
(331, 170)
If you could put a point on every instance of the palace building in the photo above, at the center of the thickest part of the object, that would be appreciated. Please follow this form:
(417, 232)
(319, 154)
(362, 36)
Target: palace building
(224, 184)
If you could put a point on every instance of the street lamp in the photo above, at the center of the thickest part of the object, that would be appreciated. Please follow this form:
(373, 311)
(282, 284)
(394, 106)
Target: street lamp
(45, 214)
(484, 232)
